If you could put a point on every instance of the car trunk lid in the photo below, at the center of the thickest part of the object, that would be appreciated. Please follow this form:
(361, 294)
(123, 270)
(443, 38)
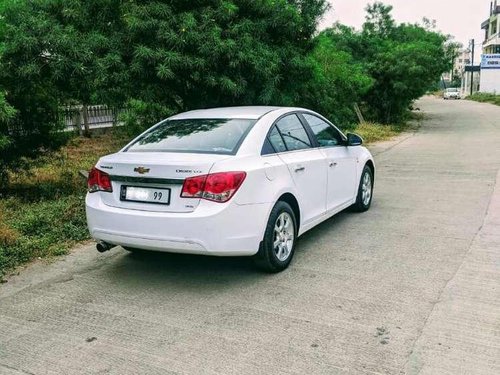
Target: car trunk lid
(137, 177)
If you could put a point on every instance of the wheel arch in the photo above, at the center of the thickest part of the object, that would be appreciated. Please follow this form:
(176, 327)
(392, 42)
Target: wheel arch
(371, 165)
(293, 202)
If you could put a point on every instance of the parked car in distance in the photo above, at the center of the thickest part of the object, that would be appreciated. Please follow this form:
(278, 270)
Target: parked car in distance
(451, 93)
(240, 181)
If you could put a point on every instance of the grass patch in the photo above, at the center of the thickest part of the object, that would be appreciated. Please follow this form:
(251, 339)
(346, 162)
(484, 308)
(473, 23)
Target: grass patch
(372, 132)
(375, 132)
(485, 98)
(56, 174)
(42, 211)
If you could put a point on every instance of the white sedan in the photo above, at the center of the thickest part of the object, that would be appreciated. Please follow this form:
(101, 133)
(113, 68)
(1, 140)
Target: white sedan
(245, 181)
(451, 93)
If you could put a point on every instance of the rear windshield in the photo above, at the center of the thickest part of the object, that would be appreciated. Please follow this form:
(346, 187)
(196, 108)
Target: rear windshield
(452, 90)
(212, 136)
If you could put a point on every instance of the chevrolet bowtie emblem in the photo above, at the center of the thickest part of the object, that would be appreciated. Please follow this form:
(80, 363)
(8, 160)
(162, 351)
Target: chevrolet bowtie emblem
(141, 170)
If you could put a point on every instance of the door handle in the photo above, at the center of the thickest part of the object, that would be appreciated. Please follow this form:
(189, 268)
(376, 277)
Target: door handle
(300, 168)
(333, 164)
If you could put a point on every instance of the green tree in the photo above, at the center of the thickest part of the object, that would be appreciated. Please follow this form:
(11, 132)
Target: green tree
(54, 53)
(186, 54)
(70, 45)
(158, 57)
(27, 85)
(7, 113)
(338, 82)
(164, 56)
(403, 60)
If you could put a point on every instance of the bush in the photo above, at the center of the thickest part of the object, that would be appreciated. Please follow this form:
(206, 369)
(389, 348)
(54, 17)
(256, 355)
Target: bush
(403, 61)
(159, 57)
(139, 116)
(485, 98)
(338, 82)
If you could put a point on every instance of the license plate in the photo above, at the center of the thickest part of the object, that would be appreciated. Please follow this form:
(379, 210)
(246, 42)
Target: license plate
(145, 195)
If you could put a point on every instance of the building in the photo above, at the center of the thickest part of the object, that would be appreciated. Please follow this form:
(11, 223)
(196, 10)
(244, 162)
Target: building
(491, 27)
(461, 61)
(490, 59)
(462, 69)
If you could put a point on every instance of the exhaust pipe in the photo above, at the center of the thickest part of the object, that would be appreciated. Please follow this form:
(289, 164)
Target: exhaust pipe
(102, 246)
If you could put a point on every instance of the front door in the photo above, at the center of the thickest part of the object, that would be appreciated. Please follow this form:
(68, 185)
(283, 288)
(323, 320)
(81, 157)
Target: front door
(340, 160)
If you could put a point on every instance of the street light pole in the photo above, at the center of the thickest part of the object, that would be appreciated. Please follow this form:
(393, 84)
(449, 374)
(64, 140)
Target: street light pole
(472, 69)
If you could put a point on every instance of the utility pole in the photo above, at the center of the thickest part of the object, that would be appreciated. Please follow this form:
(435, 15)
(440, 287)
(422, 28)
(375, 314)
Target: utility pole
(472, 69)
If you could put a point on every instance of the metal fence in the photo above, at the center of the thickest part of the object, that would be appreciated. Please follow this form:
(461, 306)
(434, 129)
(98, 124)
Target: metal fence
(98, 116)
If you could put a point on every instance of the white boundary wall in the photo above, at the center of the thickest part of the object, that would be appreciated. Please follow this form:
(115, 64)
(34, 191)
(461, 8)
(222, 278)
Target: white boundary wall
(490, 74)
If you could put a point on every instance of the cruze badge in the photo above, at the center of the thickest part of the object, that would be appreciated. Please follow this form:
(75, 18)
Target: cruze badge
(141, 170)
(187, 171)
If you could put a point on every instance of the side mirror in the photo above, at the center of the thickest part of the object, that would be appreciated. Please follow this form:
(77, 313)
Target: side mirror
(354, 140)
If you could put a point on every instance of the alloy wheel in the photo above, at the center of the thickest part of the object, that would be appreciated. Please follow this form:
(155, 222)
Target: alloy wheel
(366, 189)
(284, 236)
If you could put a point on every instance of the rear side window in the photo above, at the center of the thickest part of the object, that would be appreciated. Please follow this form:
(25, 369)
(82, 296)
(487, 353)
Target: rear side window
(293, 133)
(326, 134)
(213, 136)
(276, 140)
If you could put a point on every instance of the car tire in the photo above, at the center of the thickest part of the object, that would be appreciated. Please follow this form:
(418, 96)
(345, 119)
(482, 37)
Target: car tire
(365, 191)
(278, 246)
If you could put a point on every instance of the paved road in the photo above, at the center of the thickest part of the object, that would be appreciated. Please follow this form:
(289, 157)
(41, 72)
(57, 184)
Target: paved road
(412, 286)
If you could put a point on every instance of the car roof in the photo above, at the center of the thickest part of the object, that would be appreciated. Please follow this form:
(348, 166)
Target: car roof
(250, 113)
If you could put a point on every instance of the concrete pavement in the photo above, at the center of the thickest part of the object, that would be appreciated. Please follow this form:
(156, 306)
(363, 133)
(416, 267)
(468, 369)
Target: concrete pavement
(410, 287)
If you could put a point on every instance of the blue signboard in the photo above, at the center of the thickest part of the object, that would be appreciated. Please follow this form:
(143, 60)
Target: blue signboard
(490, 61)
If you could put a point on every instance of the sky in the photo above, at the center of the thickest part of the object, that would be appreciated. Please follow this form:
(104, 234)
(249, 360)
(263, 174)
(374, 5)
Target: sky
(460, 18)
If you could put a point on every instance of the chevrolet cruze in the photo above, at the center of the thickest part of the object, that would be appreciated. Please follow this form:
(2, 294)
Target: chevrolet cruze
(240, 181)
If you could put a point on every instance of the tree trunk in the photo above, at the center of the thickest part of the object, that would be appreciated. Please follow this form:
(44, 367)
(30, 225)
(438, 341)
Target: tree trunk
(359, 114)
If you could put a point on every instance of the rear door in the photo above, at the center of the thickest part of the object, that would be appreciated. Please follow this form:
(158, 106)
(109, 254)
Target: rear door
(306, 164)
(341, 162)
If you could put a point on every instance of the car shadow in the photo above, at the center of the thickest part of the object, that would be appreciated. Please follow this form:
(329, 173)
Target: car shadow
(207, 274)
(200, 274)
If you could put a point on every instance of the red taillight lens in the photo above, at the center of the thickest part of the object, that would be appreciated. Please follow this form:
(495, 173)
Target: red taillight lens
(217, 187)
(193, 187)
(98, 181)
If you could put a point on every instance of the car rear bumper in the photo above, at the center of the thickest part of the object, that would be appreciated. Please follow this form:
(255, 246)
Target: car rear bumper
(212, 229)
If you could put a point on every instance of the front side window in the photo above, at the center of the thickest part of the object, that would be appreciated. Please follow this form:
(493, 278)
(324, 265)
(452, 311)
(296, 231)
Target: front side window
(293, 133)
(213, 136)
(326, 134)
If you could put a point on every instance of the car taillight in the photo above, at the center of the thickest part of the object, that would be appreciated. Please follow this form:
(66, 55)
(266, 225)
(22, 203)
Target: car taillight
(98, 181)
(217, 187)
